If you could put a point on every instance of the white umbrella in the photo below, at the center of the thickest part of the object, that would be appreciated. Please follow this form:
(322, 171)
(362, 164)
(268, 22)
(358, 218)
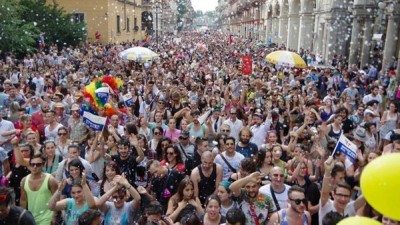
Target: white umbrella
(138, 54)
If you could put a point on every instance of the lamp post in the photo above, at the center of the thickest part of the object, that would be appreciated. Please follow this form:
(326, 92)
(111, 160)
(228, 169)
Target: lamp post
(157, 6)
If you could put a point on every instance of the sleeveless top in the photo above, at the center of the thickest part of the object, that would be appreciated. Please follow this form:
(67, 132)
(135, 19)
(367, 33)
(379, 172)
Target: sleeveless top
(206, 184)
(73, 212)
(325, 115)
(37, 201)
(284, 220)
(333, 134)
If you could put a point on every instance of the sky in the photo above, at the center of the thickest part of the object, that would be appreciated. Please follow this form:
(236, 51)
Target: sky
(204, 5)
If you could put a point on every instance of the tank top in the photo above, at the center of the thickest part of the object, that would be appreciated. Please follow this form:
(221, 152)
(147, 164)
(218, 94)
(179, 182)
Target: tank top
(334, 135)
(284, 220)
(37, 201)
(207, 184)
(73, 212)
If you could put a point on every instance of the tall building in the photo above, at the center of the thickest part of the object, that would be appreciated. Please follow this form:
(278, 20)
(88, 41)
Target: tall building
(362, 31)
(111, 21)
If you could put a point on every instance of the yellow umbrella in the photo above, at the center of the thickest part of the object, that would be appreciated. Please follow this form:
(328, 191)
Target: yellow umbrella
(286, 58)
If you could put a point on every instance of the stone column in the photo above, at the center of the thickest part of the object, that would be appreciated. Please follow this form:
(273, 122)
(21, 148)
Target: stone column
(329, 45)
(355, 43)
(398, 66)
(306, 28)
(275, 29)
(293, 31)
(283, 29)
(268, 32)
(366, 42)
(392, 33)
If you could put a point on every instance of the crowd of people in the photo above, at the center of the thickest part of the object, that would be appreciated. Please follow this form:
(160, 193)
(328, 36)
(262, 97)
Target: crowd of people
(263, 155)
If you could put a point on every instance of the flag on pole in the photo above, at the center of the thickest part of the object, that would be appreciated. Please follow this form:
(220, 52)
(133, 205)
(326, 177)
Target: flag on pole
(230, 39)
(97, 123)
(347, 147)
(247, 64)
(128, 100)
(102, 94)
(203, 117)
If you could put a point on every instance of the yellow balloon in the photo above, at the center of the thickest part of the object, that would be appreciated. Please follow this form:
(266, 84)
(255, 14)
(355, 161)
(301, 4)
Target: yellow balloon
(380, 183)
(358, 220)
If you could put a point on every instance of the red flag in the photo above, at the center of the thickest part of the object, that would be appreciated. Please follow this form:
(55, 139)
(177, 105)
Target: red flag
(97, 35)
(247, 64)
(230, 39)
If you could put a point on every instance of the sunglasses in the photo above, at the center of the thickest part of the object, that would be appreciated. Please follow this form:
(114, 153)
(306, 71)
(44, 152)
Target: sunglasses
(299, 201)
(36, 164)
(170, 153)
(183, 138)
(157, 133)
(225, 130)
(62, 134)
(119, 197)
(233, 113)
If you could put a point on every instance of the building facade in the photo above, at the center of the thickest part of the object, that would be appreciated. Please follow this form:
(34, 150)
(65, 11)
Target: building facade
(112, 21)
(362, 31)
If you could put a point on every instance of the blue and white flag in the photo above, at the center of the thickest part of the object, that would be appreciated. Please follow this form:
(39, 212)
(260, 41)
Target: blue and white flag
(97, 123)
(102, 93)
(347, 147)
(128, 100)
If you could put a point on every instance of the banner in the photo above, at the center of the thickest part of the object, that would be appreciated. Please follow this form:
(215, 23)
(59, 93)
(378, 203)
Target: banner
(230, 39)
(247, 65)
(97, 123)
(102, 94)
(128, 100)
(347, 147)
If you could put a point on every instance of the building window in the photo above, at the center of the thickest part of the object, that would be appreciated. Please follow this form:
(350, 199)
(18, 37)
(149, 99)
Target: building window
(118, 24)
(127, 25)
(78, 17)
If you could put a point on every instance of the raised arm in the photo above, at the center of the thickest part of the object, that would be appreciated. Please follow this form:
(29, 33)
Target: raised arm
(326, 183)
(237, 185)
(88, 194)
(55, 204)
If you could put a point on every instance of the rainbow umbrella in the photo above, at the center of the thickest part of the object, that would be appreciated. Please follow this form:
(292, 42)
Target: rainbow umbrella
(286, 58)
(138, 54)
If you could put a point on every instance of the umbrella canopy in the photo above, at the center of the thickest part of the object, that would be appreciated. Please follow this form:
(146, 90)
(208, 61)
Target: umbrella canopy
(286, 58)
(138, 54)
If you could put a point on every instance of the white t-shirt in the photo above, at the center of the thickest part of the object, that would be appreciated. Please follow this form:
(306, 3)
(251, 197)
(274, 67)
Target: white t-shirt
(233, 161)
(328, 207)
(281, 197)
(52, 134)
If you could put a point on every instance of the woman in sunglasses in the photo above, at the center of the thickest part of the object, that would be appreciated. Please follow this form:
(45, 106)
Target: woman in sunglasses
(173, 159)
(63, 142)
(157, 134)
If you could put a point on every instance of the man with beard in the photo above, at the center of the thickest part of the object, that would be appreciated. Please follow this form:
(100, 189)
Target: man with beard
(126, 160)
(206, 177)
(245, 147)
(229, 159)
(295, 211)
(256, 206)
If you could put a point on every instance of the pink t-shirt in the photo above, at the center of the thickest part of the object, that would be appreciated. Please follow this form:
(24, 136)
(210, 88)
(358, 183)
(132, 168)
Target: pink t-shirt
(173, 135)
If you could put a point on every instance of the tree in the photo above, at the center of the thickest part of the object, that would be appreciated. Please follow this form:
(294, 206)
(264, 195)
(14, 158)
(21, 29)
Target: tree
(16, 35)
(60, 28)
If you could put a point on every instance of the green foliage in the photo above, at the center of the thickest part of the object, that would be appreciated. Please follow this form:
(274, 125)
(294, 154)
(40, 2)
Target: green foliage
(22, 21)
(59, 27)
(16, 35)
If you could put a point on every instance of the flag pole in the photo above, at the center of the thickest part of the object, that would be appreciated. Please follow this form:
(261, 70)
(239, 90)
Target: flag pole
(337, 143)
